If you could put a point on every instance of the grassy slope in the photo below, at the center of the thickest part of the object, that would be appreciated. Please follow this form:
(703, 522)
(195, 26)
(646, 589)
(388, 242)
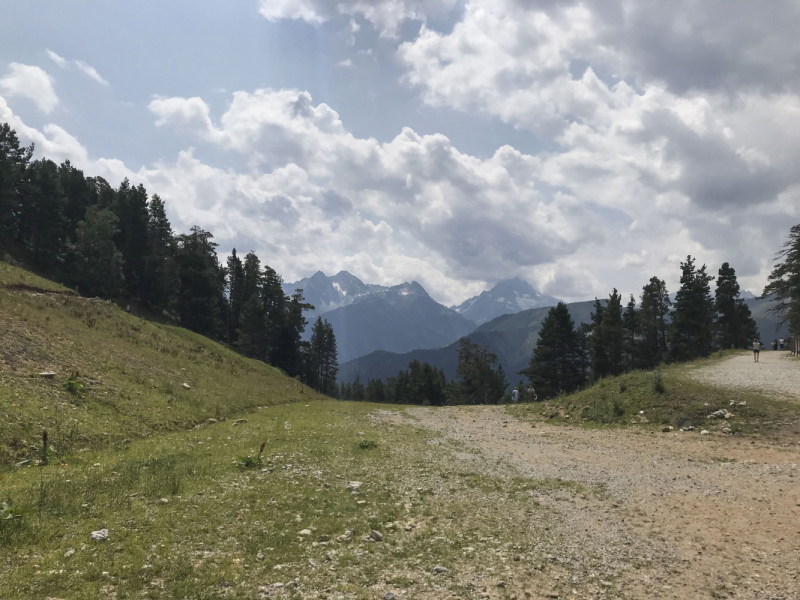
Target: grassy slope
(132, 371)
(617, 401)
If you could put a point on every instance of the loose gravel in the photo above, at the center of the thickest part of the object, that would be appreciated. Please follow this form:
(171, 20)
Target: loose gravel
(777, 373)
(681, 516)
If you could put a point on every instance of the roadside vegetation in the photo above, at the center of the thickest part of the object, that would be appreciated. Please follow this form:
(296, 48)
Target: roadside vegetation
(665, 397)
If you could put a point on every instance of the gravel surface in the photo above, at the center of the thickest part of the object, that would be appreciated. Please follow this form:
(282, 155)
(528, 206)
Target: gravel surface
(681, 515)
(776, 373)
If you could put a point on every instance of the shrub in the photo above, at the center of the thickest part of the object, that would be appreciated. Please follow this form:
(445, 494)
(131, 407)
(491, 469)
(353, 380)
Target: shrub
(73, 386)
(658, 382)
(367, 444)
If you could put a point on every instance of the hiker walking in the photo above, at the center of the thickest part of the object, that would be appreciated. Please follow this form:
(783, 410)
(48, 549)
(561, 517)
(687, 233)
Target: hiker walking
(756, 349)
(780, 343)
(531, 394)
(515, 396)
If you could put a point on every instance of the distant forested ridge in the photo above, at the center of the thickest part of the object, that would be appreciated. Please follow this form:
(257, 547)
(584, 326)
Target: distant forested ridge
(118, 243)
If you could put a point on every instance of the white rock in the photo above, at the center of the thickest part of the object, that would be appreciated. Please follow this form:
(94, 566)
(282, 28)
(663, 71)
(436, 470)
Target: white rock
(439, 569)
(305, 532)
(376, 535)
(705, 432)
(354, 486)
(186, 386)
(100, 536)
(69, 553)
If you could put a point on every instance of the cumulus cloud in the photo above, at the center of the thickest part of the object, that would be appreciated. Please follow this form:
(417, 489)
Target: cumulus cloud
(386, 15)
(30, 82)
(90, 72)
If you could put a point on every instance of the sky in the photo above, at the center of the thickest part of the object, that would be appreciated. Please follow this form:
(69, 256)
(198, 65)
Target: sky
(579, 145)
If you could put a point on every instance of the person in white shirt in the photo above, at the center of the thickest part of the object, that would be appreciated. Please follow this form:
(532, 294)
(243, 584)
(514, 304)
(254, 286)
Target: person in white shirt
(515, 396)
(756, 350)
(780, 343)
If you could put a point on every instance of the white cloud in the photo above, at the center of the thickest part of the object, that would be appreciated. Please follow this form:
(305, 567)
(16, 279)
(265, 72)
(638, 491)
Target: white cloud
(59, 60)
(90, 72)
(30, 82)
(562, 219)
(345, 63)
(386, 15)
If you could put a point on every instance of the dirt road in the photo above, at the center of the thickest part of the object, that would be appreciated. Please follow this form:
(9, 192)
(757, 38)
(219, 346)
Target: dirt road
(685, 516)
(776, 373)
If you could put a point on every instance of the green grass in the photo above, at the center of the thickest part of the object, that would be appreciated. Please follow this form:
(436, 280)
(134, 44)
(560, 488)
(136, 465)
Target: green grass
(681, 401)
(185, 520)
(117, 377)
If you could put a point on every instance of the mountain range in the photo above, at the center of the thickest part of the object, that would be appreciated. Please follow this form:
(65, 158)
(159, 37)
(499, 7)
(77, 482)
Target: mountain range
(507, 297)
(513, 337)
(367, 318)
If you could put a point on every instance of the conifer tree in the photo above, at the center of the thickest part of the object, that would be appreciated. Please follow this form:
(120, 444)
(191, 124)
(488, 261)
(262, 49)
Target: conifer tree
(736, 327)
(480, 374)
(555, 364)
(79, 191)
(691, 334)
(653, 323)
(202, 281)
(784, 282)
(131, 208)
(235, 281)
(630, 342)
(98, 262)
(14, 160)
(597, 345)
(43, 226)
(160, 277)
(252, 337)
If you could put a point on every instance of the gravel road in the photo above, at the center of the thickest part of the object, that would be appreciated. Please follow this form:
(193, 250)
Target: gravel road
(685, 516)
(776, 373)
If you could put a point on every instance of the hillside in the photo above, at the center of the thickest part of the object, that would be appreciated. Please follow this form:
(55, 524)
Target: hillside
(512, 337)
(130, 373)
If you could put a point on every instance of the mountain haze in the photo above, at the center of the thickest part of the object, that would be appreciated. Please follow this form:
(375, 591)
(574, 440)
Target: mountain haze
(510, 296)
(396, 319)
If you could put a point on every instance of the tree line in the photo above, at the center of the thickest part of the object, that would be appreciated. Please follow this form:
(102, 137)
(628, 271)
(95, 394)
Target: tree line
(642, 335)
(119, 244)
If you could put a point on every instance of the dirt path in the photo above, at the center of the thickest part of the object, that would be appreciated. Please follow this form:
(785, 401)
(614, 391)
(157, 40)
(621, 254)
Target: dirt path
(776, 373)
(685, 516)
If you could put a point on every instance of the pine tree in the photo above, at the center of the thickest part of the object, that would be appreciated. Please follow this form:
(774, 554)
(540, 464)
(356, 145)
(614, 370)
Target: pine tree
(131, 208)
(288, 347)
(98, 262)
(43, 226)
(235, 284)
(630, 332)
(79, 191)
(784, 282)
(597, 343)
(555, 364)
(14, 160)
(480, 374)
(330, 362)
(252, 337)
(653, 323)
(160, 272)
(691, 334)
(736, 327)
(202, 282)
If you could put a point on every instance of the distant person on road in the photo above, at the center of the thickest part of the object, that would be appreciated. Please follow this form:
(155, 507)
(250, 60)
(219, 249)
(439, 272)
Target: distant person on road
(774, 344)
(515, 396)
(780, 343)
(756, 350)
(531, 394)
